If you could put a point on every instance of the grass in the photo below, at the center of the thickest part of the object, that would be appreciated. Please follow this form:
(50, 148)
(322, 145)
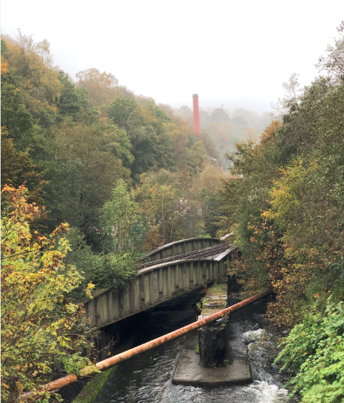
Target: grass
(217, 289)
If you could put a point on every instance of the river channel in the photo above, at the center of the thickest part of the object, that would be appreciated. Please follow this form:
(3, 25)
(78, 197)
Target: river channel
(147, 378)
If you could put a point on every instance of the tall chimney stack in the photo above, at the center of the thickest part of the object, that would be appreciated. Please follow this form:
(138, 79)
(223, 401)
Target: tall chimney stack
(197, 123)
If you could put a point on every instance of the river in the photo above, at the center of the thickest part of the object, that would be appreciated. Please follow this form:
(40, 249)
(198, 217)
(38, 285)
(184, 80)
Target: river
(147, 377)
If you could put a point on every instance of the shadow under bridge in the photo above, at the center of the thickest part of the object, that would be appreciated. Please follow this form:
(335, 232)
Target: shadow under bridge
(165, 273)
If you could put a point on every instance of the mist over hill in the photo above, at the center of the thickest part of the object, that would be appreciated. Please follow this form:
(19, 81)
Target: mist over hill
(227, 127)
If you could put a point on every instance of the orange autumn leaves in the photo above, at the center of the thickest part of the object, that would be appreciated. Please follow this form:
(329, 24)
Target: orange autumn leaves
(3, 66)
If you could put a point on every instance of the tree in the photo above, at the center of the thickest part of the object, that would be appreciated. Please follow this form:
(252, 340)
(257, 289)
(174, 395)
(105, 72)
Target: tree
(73, 100)
(14, 114)
(101, 87)
(161, 210)
(292, 96)
(3, 66)
(239, 121)
(204, 195)
(253, 119)
(333, 63)
(222, 134)
(120, 236)
(205, 119)
(219, 115)
(38, 80)
(81, 176)
(42, 332)
(286, 210)
(145, 129)
(245, 194)
(120, 110)
(18, 169)
(184, 112)
(119, 218)
(114, 141)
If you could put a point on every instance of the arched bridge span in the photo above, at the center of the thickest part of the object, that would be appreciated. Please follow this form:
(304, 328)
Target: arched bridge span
(161, 280)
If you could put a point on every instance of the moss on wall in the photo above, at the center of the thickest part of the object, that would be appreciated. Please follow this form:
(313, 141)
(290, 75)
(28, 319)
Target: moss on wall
(94, 386)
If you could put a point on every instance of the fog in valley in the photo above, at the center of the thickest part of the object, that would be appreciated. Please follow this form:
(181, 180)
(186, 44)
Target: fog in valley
(155, 156)
(234, 55)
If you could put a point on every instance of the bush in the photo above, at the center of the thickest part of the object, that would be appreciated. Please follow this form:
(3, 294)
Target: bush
(315, 350)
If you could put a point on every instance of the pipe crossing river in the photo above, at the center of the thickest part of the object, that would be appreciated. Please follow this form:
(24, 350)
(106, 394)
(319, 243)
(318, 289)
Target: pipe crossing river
(110, 362)
(147, 378)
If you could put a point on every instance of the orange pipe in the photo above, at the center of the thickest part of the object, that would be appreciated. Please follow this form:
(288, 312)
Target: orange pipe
(116, 359)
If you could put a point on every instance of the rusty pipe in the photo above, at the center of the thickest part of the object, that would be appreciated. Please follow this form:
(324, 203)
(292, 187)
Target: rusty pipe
(126, 355)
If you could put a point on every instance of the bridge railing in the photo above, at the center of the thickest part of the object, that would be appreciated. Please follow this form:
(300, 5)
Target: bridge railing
(180, 247)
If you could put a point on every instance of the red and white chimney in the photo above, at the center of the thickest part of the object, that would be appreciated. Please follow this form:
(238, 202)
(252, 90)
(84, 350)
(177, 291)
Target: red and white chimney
(197, 123)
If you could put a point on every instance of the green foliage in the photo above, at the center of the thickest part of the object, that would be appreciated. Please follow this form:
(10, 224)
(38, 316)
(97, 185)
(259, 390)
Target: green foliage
(73, 364)
(315, 349)
(161, 211)
(120, 239)
(86, 262)
(284, 202)
(116, 270)
(82, 180)
(119, 219)
(84, 140)
(79, 148)
(18, 168)
(285, 207)
(14, 113)
(41, 330)
(104, 269)
(32, 64)
(73, 100)
(120, 111)
(84, 137)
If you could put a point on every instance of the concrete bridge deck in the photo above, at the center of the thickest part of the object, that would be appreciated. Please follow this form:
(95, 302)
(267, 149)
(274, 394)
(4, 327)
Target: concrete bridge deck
(159, 281)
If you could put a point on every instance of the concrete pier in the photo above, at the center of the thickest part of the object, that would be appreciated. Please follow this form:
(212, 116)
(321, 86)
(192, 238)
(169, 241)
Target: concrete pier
(212, 339)
(189, 370)
(206, 359)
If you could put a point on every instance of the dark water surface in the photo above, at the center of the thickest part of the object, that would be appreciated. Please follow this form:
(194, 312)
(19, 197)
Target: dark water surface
(147, 377)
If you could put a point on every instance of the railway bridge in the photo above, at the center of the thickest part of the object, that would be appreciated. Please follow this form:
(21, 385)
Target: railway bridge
(164, 273)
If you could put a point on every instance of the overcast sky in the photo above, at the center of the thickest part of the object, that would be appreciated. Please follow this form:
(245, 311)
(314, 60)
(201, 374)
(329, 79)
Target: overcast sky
(235, 53)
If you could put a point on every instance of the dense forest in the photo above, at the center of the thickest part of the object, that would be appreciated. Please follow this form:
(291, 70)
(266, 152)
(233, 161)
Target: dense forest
(285, 207)
(94, 175)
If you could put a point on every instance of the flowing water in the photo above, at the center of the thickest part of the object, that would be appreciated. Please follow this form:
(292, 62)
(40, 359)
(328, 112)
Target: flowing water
(147, 377)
